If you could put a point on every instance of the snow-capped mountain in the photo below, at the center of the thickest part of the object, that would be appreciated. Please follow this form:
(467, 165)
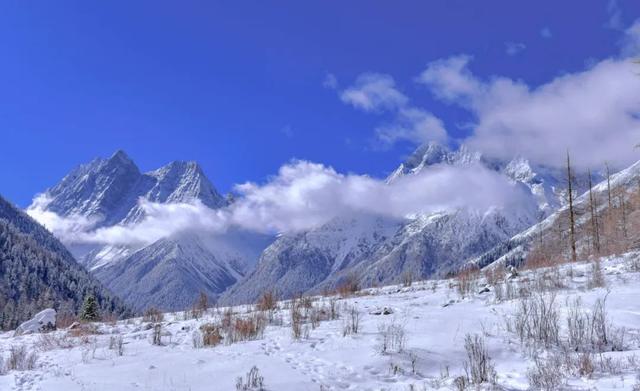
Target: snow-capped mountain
(381, 251)
(169, 272)
(107, 190)
(546, 184)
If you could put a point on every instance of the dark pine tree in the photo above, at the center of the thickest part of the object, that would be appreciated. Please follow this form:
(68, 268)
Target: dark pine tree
(89, 309)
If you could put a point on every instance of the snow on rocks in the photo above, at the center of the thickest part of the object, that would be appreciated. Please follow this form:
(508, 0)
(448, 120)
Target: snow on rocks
(382, 311)
(42, 321)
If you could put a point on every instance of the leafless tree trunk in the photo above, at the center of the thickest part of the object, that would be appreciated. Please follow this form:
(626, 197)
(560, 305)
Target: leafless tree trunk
(594, 217)
(572, 222)
(608, 184)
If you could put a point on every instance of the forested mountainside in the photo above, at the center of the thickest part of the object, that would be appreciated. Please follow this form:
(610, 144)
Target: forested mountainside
(605, 219)
(36, 272)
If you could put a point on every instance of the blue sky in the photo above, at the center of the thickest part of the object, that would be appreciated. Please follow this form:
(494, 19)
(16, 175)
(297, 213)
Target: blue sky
(241, 88)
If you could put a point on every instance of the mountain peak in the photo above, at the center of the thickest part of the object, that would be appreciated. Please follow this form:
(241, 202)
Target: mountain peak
(120, 156)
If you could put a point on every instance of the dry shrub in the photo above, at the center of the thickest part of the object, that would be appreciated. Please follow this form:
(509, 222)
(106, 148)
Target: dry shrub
(546, 374)
(116, 343)
(268, 301)
(20, 359)
(351, 323)
(540, 258)
(156, 336)
(334, 313)
(50, 341)
(478, 367)
(596, 277)
(466, 281)
(348, 286)
(494, 276)
(297, 330)
(394, 337)
(227, 318)
(152, 315)
(83, 330)
(65, 319)
(253, 381)
(407, 279)
(245, 329)
(211, 335)
(109, 318)
(537, 321)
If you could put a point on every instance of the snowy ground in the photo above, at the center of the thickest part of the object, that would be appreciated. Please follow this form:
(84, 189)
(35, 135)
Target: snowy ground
(433, 315)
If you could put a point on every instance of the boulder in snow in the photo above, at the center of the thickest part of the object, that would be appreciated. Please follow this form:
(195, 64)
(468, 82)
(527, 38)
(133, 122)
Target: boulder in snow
(382, 311)
(42, 321)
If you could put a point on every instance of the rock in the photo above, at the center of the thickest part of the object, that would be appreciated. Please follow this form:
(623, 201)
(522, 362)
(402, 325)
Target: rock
(513, 272)
(450, 303)
(383, 311)
(42, 321)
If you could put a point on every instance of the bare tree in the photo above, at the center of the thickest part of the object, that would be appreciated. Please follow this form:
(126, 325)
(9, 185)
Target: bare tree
(606, 164)
(594, 217)
(572, 220)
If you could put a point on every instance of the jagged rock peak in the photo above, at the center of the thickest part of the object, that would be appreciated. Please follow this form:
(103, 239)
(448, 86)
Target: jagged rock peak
(433, 153)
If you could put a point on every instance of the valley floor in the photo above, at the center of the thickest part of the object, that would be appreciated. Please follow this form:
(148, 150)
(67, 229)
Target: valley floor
(434, 316)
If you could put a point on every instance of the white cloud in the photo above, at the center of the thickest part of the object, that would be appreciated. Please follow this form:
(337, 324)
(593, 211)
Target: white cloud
(615, 16)
(546, 33)
(450, 79)
(593, 113)
(513, 48)
(302, 195)
(631, 40)
(161, 220)
(330, 81)
(412, 124)
(374, 92)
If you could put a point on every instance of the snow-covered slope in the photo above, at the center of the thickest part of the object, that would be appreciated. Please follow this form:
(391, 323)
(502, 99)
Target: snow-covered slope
(424, 332)
(169, 274)
(554, 226)
(297, 263)
(382, 251)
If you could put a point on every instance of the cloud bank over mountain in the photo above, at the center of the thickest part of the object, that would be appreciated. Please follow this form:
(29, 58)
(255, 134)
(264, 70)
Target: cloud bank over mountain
(303, 195)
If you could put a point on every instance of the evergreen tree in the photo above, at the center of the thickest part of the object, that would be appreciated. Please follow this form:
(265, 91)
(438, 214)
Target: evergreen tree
(89, 309)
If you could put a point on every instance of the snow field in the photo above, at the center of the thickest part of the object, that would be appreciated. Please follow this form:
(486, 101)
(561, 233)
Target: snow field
(425, 341)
